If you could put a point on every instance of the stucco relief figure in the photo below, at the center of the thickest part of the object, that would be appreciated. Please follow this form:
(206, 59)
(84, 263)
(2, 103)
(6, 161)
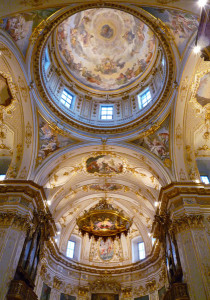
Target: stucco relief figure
(203, 92)
(104, 164)
(5, 95)
(105, 48)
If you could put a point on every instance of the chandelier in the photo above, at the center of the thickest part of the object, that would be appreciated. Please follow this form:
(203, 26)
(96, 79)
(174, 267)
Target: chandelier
(104, 221)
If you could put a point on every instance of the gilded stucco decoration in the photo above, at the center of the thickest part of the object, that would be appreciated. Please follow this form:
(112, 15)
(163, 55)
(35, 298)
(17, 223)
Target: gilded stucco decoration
(28, 134)
(24, 89)
(179, 136)
(33, 2)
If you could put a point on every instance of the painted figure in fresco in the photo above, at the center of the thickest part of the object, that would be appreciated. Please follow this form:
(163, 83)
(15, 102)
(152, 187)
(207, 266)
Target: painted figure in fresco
(104, 164)
(129, 36)
(106, 31)
(5, 95)
(48, 140)
(203, 92)
(105, 187)
(106, 249)
(15, 27)
(82, 48)
(45, 292)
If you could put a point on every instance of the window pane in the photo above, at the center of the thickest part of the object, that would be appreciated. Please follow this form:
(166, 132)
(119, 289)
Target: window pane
(66, 98)
(144, 98)
(106, 112)
(205, 179)
(141, 250)
(70, 249)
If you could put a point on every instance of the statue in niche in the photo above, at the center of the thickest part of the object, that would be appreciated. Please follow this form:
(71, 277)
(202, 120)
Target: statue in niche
(5, 94)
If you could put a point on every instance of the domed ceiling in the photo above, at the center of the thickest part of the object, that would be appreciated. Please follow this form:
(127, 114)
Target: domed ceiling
(105, 49)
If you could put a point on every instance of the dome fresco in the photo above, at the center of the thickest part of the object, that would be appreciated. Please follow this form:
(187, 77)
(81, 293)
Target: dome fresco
(105, 49)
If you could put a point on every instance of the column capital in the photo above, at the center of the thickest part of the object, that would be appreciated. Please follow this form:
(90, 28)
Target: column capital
(187, 222)
(15, 220)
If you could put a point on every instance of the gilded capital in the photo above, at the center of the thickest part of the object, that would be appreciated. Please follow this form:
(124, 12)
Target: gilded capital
(187, 222)
(14, 220)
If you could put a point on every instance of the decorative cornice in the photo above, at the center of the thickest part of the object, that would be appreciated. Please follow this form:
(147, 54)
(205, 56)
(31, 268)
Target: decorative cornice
(181, 189)
(153, 258)
(35, 195)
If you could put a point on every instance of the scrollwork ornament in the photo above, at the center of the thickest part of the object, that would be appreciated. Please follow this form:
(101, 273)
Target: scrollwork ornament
(28, 134)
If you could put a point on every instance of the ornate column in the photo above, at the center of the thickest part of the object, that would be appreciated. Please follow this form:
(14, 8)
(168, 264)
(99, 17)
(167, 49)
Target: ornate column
(194, 253)
(25, 223)
(182, 225)
(13, 228)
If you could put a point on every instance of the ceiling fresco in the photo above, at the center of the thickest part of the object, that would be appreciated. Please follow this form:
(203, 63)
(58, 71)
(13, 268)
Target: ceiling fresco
(20, 26)
(105, 49)
(203, 92)
(157, 142)
(104, 165)
(106, 187)
(182, 25)
(50, 140)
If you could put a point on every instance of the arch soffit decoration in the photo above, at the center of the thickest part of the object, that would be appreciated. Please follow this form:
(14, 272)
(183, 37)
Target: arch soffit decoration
(19, 117)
